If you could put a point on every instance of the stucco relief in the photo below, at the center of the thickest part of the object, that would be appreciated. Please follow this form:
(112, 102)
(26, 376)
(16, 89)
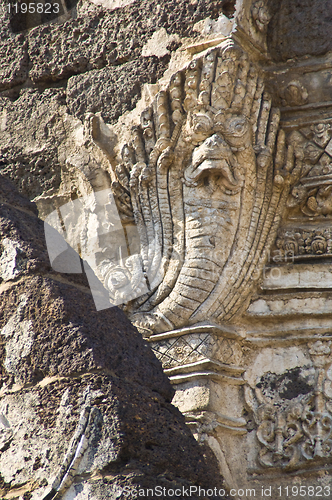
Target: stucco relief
(294, 427)
(205, 181)
(229, 166)
(202, 188)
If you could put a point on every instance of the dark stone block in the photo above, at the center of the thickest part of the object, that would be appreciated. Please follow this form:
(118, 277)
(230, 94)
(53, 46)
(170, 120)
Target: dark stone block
(112, 90)
(99, 362)
(299, 28)
(100, 37)
(34, 119)
(13, 54)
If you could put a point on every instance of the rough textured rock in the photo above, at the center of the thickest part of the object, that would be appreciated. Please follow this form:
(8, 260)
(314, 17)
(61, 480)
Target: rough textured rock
(300, 28)
(67, 369)
(30, 147)
(95, 54)
(13, 55)
(93, 39)
(100, 89)
(103, 38)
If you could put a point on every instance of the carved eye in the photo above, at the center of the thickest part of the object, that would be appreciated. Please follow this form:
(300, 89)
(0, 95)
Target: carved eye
(237, 126)
(200, 127)
(118, 279)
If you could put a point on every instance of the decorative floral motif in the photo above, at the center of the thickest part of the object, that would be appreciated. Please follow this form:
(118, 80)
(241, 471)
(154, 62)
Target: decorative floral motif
(318, 245)
(294, 432)
(312, 195)
(300, 242)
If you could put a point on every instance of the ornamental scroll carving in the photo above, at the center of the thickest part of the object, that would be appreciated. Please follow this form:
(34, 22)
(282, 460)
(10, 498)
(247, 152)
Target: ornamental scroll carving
(204, 180)
(312, 195)
(293, 434)
(294, 244)
(307, 232)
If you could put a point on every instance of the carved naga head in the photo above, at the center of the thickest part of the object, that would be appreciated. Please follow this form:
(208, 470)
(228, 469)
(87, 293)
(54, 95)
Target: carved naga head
(205, 190)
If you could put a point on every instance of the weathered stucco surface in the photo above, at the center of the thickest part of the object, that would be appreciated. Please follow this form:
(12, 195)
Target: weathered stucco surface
(208, 124)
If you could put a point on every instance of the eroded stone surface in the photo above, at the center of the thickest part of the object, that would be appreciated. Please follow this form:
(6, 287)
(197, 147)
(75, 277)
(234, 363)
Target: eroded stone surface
(13, 54)
(79, 47)
(11, 260)
(105, 38)
(99, 90)
(81, 393)
(299, 28)
(29, 147)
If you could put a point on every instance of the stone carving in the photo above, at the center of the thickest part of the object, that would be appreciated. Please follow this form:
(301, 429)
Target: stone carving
(200, 201)
(182, 350)
(202, 348)
(311, 196)
(293, 433)
(261, 15)
(294, 94)
(299, 242)
(205, 179)
(81, 395)
(312, 201)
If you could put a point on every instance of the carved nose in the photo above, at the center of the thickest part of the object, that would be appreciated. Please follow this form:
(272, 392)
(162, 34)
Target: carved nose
(214, 141)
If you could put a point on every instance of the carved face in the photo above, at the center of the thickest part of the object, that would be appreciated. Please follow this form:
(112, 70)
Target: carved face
(198, 127)
(212, 156)
(217, 153)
